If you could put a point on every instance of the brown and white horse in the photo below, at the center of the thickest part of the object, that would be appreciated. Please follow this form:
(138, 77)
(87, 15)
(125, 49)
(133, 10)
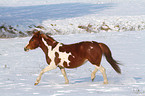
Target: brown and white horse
(71, 56)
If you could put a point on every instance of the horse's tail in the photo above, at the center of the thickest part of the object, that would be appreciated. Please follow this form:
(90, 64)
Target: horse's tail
(106, 51)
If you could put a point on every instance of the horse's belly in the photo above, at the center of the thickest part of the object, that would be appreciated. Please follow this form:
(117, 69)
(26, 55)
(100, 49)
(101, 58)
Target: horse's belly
(74, 63)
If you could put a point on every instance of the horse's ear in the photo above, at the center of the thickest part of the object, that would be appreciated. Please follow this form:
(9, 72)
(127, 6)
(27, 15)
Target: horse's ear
(36, 33)
(44, 36)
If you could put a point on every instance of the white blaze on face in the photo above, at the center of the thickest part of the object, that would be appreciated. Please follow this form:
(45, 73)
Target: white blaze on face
(62, 55)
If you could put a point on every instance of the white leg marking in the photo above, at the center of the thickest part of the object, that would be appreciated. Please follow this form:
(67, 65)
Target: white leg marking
(103, 71)
(65, 76)
(48, 68)
(93, 74)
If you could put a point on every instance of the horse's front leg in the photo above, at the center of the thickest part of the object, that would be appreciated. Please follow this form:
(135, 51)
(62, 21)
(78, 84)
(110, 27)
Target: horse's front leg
(48, 68)
(65, 76)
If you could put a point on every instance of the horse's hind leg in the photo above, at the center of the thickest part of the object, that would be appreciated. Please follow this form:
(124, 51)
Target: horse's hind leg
(103, 71)
(93, 74)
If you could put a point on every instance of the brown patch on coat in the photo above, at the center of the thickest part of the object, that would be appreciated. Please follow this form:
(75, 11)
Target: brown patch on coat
(57, 59)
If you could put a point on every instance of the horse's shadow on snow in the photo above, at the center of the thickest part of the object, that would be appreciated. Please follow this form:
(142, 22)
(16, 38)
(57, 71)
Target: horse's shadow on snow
(87, 79)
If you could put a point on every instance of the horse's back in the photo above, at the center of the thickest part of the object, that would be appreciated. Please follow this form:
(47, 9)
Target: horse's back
(82, 48)
(82, 51)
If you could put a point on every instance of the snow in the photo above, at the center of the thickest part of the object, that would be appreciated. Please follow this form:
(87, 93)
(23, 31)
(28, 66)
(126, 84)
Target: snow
(20, 69)
(118, 23)
(64, 17)
(96, 23)
(15, 3)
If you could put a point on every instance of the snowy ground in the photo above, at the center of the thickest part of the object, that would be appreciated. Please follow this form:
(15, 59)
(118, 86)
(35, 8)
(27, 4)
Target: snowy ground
(19, 69)
(66, 16)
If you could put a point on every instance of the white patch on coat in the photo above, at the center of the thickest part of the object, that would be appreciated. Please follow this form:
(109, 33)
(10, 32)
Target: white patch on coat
(91, 47)
(73, 56)
(62, 55)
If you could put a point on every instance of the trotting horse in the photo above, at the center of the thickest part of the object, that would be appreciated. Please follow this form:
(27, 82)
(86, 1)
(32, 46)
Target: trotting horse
(71, 56)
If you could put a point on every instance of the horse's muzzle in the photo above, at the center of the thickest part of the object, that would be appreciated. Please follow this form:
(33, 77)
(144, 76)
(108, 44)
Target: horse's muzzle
(26, 49)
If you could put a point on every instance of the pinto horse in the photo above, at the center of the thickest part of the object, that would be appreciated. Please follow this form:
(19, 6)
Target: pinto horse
(71, 56)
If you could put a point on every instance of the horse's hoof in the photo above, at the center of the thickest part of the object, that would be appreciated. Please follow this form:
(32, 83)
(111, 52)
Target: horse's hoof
(66, 82)
(36, 84)
(105, 82)
(92, 79)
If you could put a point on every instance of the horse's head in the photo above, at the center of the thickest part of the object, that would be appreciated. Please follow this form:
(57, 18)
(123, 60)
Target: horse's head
(34, 41)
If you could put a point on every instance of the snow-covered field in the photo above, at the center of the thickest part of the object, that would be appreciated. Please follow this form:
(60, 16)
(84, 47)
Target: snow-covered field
(66, 17)
(19, 69)
(118, 23)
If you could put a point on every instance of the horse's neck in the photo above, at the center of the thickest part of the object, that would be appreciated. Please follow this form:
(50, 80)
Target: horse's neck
(45, 46)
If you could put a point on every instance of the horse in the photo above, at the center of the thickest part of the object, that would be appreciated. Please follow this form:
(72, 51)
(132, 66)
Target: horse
(71, 55)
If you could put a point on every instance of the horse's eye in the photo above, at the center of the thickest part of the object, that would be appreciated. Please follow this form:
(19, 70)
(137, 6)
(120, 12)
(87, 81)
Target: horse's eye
(32, 40)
